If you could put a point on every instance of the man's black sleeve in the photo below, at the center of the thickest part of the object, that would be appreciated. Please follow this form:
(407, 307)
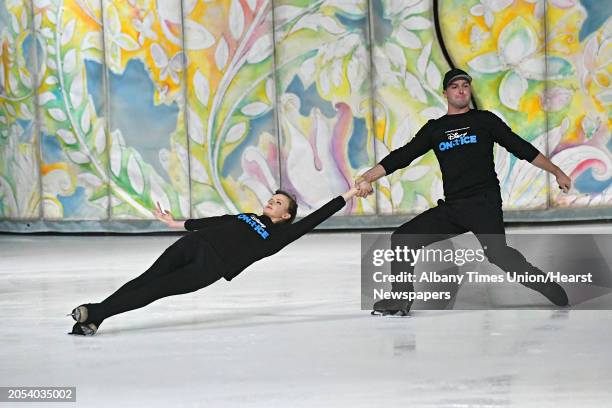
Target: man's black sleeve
(403, 156)
(199, 223)
(313, 219)
(505, 137)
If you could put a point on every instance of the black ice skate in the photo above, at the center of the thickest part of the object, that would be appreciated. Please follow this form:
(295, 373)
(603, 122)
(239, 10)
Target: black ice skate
(552, 291)
(391, 307)
(86, 313)
(80, 313)
(81, 329)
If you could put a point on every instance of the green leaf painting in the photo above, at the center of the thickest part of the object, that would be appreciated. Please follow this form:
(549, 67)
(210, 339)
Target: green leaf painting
(208, 107)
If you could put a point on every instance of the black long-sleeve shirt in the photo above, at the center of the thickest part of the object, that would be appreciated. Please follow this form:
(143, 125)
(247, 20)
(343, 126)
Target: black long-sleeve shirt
(236, 241)
(463, 145)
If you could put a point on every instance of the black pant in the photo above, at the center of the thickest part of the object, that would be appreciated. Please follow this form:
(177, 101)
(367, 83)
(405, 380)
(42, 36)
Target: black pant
(180, 269)
(480, 214)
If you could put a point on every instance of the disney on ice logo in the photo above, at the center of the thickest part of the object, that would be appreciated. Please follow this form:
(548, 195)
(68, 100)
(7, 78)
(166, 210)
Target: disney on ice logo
(255, 224)
(457, 139)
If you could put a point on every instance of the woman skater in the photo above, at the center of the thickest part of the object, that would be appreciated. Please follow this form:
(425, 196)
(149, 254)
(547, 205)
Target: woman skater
(218, 247)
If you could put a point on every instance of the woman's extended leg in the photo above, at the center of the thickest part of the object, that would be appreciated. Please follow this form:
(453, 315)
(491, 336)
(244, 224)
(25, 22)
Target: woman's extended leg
(180, 269)
(176, 255)
(188, 278)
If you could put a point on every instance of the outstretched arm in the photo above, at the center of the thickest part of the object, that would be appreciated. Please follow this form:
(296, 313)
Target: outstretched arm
(165, 217)
(541, 161)
(315, 218)
(526, 151)
(398, 158)
(191, 224)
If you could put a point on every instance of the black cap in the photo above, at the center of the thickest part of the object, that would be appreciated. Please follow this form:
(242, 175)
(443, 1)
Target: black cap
(453, 74)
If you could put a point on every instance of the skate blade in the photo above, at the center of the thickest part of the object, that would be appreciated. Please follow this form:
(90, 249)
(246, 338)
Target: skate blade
(76, 314)
(389, 313)
(83, 330)
(83, 334)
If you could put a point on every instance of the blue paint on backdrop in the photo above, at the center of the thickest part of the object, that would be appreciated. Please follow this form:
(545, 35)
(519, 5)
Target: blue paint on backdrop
(598, 12)
(350, 21)
(28, 127)
(586, 183)
(94, 85)
(72, 202)
(382, 27)
(27, 54)
(357, 146)
(144, 126)
(310, 98)
(5, 19)
(51, 149)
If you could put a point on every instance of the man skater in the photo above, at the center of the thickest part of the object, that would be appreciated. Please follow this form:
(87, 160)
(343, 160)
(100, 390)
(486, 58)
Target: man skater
(463, 144)
(219, 247)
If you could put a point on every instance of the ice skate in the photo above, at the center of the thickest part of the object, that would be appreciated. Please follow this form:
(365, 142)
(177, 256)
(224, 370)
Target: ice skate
(391, 307)
(80, 313)
(81, 329)
(552, 291)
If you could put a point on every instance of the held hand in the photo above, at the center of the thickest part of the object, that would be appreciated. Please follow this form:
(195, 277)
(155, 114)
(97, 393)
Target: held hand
(565, 183)
(350, 193)
(358, 180)
(163, 215)
(364, 189)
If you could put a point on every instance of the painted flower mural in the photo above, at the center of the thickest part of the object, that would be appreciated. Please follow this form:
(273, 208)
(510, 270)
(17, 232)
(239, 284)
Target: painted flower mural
(520, 58)
(541, 83)
(209, 106)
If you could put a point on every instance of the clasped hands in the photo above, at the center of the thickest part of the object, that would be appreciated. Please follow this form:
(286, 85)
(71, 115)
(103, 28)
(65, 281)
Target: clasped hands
(364, 188)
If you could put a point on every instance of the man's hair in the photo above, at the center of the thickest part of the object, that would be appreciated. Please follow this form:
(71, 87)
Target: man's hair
(292, 210)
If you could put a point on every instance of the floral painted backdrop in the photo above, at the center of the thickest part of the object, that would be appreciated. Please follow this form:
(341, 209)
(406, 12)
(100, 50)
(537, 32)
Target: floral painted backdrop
(109, 106)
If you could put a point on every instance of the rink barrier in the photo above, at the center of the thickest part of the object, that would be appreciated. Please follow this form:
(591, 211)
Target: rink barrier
(356, 222)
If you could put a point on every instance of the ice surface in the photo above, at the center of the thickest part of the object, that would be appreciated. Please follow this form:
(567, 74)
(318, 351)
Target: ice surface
(288, 332)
